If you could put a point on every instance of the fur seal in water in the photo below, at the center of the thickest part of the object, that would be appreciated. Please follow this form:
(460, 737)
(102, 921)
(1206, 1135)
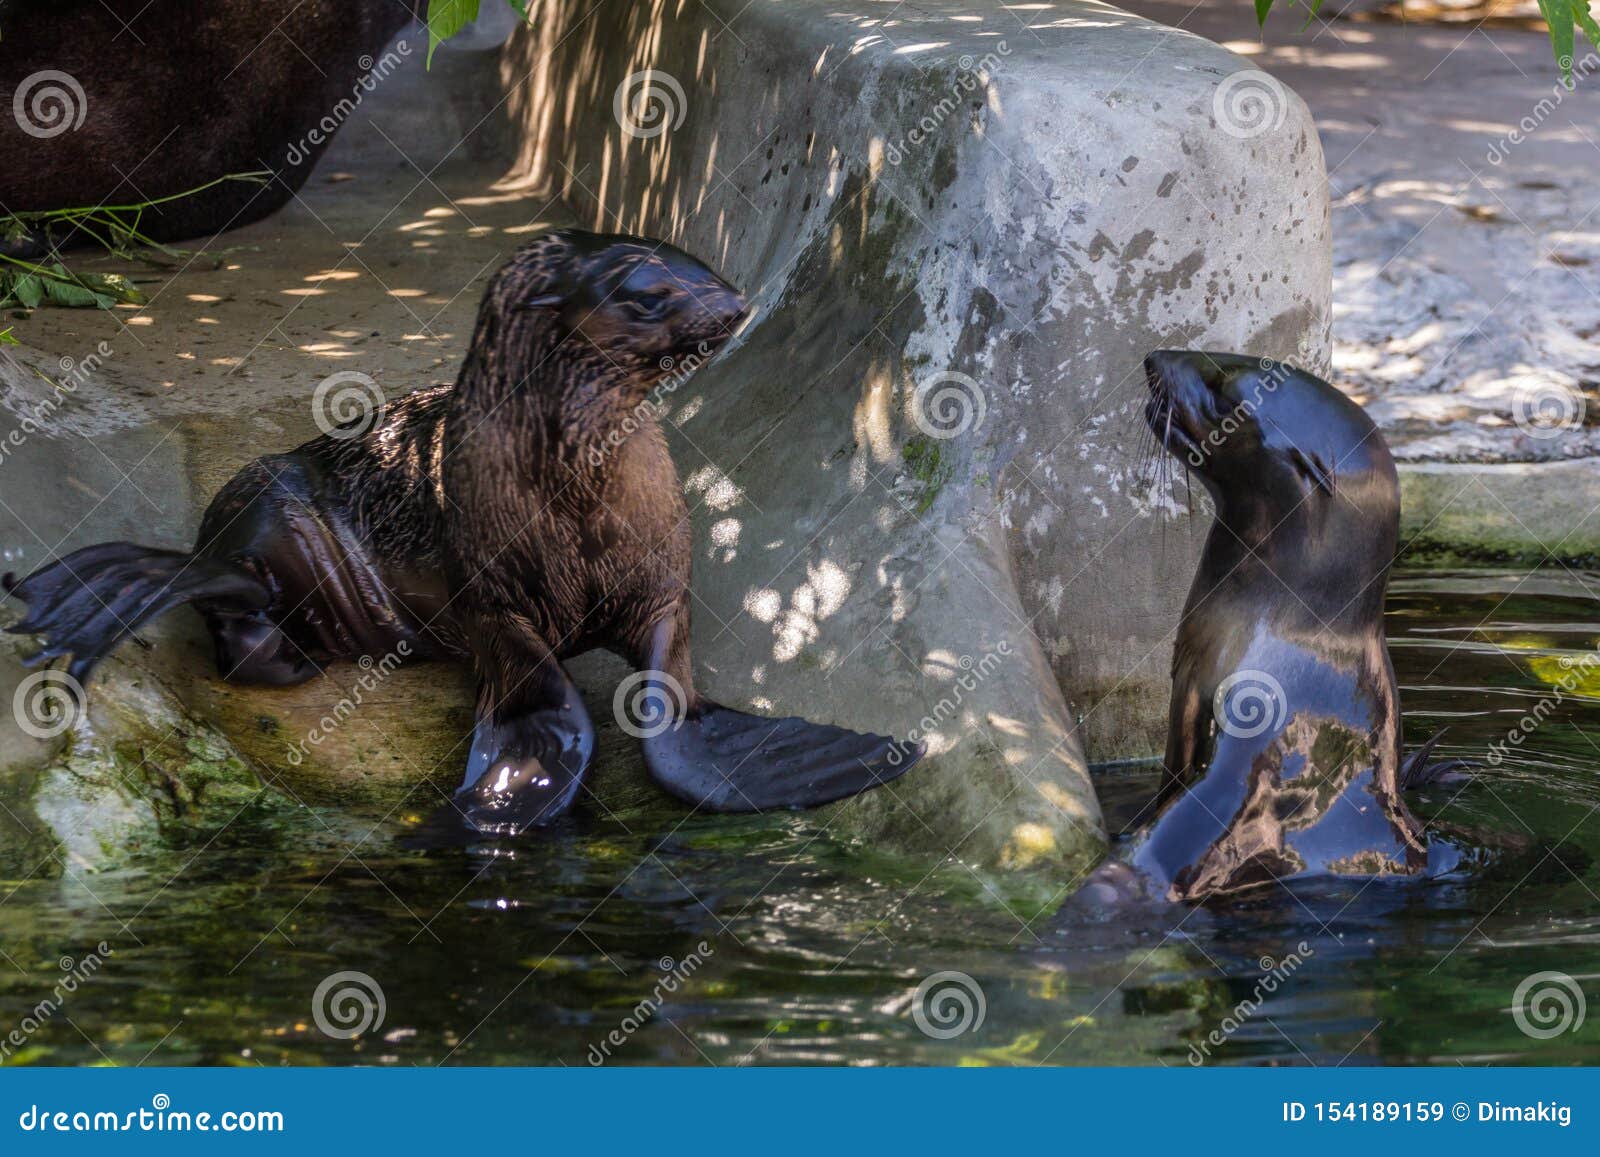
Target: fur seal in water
(512, 519)
(1283, 750)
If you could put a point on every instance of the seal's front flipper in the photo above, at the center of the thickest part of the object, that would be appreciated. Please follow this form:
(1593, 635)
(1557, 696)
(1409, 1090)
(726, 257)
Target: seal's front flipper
(723, 760)
(532, 743)
(1417, 772)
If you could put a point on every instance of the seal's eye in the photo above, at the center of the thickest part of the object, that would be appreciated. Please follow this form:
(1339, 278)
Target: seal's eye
(651, 303)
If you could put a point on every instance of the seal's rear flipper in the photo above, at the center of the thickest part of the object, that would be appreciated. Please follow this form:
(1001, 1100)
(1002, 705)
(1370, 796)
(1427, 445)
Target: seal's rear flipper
(530, 749)
(1416, 772)
(724, 760)
(84, 604)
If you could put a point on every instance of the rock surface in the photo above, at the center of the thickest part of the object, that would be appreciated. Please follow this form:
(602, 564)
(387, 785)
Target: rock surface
(918, 495)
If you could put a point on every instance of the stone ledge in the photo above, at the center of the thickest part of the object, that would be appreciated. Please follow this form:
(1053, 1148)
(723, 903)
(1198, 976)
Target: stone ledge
(1523, 511)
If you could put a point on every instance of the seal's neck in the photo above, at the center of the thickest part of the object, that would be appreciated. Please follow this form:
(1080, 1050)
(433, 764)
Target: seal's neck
(1320, 564)
(568, 397)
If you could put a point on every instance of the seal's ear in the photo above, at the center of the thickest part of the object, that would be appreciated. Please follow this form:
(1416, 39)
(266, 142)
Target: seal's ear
(1313, 469)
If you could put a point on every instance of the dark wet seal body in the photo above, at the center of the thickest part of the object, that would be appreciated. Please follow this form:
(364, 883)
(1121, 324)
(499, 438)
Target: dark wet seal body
(527, 514)
(175, 95)
(1283, 750)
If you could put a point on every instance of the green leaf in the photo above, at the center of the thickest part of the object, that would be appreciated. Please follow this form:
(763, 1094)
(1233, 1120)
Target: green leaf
(1591, 27)
(113, 285)
(1262, 8)
(520, 7)
(7, 337)
(29, 290)
(445, 19)
(1558, 14)
(70, 293)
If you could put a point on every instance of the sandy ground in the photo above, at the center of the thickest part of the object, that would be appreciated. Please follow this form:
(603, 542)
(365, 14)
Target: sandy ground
(1466, 263)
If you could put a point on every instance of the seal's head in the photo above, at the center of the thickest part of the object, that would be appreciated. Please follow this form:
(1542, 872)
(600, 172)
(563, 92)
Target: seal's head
(1272, 444)
(628, 307)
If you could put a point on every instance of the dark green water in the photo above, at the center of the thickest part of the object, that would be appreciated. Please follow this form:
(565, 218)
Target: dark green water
(813, 949)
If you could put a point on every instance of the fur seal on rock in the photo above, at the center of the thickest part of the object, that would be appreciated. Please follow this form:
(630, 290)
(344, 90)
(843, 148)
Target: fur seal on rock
(527, 514)
(1283, 750)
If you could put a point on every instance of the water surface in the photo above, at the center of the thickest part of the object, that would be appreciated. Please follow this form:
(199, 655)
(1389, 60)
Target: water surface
(766, 941)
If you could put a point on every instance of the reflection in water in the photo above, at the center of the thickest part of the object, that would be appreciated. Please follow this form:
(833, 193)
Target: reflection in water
(806, 949)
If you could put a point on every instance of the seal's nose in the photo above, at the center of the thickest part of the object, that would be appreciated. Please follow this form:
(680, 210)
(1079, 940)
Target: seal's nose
(1158, 366)
(728, 307)
(734, 305)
